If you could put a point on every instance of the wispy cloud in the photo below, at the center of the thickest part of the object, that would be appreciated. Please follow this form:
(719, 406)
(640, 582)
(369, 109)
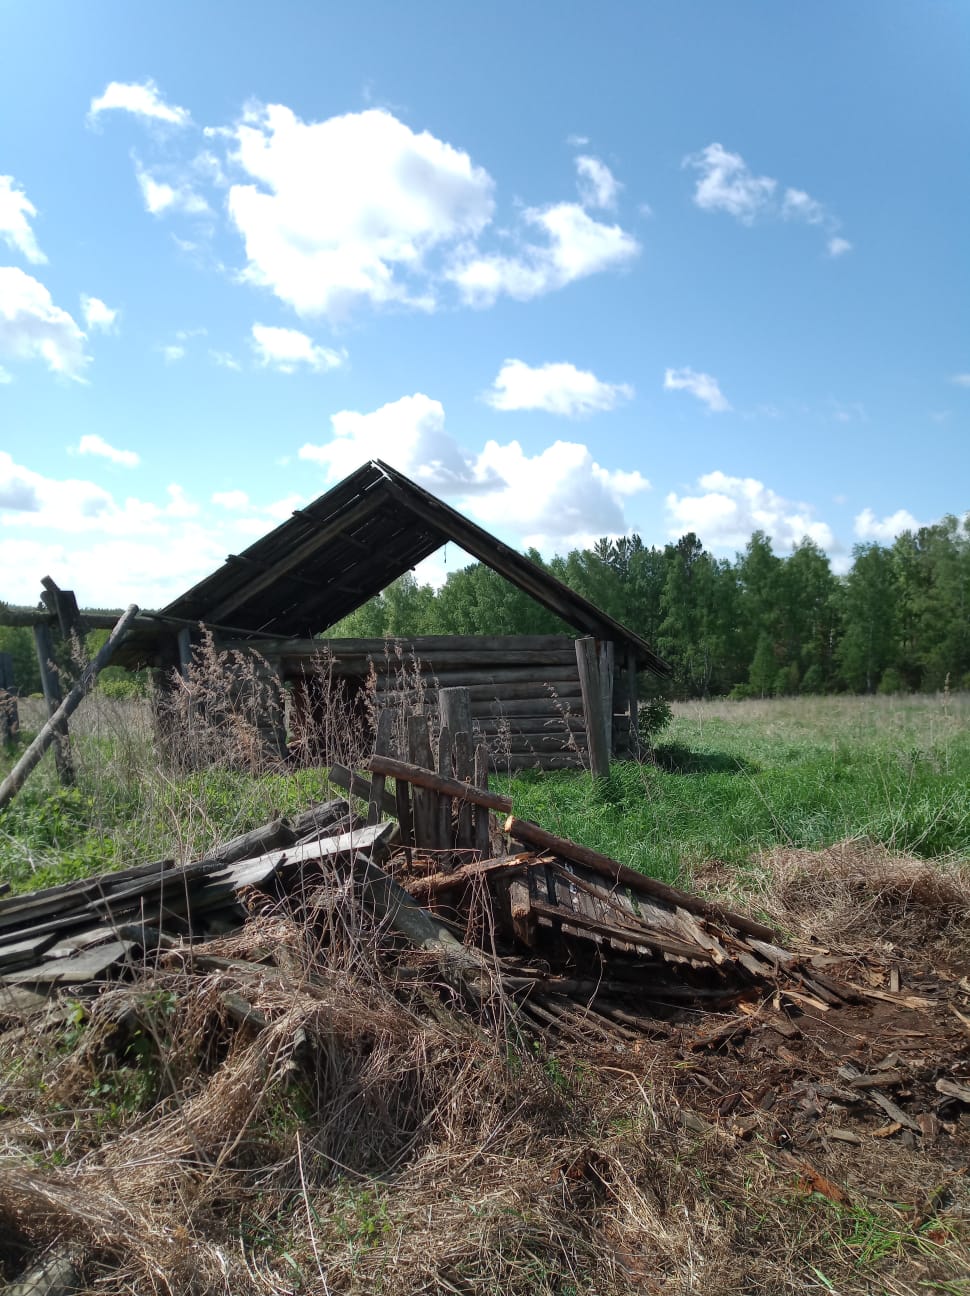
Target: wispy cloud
(556, 388)
(142, 99)
(288, 350)
(92, 444)
(726, 183)
(701, 385)
(16, 213)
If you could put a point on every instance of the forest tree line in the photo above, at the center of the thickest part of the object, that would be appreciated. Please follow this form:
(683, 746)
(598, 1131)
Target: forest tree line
(756, 626)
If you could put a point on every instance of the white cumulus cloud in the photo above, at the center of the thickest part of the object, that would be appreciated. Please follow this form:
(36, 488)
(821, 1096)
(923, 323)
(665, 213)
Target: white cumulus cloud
(559, 496)
(556, 388)
(96, 314)
(33, 328)
(575, 246)
(701, 385)
(16, 213)
(92, 444)
(287, 349)
(961, 379)
(143, 99)
(347, 210)
(408, 433)
(837, 246)
(598, 186)
(884, 530)
(726, 510)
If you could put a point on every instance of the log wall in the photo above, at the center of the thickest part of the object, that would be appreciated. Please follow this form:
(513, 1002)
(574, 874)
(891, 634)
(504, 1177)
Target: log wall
(525, 693)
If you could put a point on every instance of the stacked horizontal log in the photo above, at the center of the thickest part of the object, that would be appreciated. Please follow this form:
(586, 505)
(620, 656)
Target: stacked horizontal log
(525, 691)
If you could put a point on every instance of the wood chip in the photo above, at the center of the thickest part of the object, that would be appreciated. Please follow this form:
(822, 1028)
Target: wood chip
(951, 1089)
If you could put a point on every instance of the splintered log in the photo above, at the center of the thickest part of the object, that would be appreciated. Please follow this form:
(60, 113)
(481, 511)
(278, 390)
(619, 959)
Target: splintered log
(425, 778)
(58, 721)
(523, 831)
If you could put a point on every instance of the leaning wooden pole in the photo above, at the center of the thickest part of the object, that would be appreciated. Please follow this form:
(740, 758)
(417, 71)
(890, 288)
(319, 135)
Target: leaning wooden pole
(21, 771)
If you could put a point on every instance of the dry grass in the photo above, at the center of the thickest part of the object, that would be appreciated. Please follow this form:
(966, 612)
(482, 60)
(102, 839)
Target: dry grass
(372, 1138)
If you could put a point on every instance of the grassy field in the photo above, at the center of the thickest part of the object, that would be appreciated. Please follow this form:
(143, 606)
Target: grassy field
(728, 781)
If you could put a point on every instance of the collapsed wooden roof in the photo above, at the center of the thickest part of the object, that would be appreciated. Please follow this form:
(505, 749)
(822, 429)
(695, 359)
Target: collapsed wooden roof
(332, 556)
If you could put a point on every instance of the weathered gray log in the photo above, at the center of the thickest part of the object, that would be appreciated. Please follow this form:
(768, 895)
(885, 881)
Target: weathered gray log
(633, 703)
(524, 831)
(359, 787)
(31, 757)
(428, 779)
(444, 802)
(319, 817)
(589, 680)
(50, 682)
(537, 760)
(55, 1276)
(454, 705)
(269, 837)
(500, 692)
(9, 716)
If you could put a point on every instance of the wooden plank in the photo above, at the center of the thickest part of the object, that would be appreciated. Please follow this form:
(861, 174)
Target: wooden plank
(605, 661)
(481, 827)
(445, 771)
(540, 676)
(520, 904)
(464, 774)
(522, 830)
(382, 745)
(589, 679)
(423, 799)
(529, 688)
(87, 966)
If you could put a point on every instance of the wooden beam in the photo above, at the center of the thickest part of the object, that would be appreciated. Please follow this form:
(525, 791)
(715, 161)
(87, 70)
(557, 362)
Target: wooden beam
(426, 778)
(50, 682)
(294, 557)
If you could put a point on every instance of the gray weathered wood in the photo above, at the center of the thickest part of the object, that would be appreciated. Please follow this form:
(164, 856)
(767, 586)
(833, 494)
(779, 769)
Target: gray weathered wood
(382, 744)
(86, 966)
(50, 681)
(445, 770)
(633, 703)
(523, 831)
(358, 787)
(481, 831)
(57, 722)
(422, 800)
(405, 772)
(589, 680)
(54, 1276)
(605, 657)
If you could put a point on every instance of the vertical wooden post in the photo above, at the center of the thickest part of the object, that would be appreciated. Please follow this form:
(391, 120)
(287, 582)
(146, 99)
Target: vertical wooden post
(185, 651)
(481, 834)
(446, 770)
(589, 683)
(605, 656)
(9, 716)
(51, 684)
(455, 705)
(425, 809)
(382, 746)
(633, 702)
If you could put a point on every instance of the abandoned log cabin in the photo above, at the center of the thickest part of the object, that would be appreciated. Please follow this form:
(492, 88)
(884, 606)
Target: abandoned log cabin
(279, 596)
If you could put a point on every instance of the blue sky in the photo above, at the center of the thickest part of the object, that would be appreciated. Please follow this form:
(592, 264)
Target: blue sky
(579, 270)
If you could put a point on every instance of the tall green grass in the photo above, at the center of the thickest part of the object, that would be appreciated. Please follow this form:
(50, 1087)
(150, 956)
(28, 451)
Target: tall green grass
(729, 780)
(733, 779)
